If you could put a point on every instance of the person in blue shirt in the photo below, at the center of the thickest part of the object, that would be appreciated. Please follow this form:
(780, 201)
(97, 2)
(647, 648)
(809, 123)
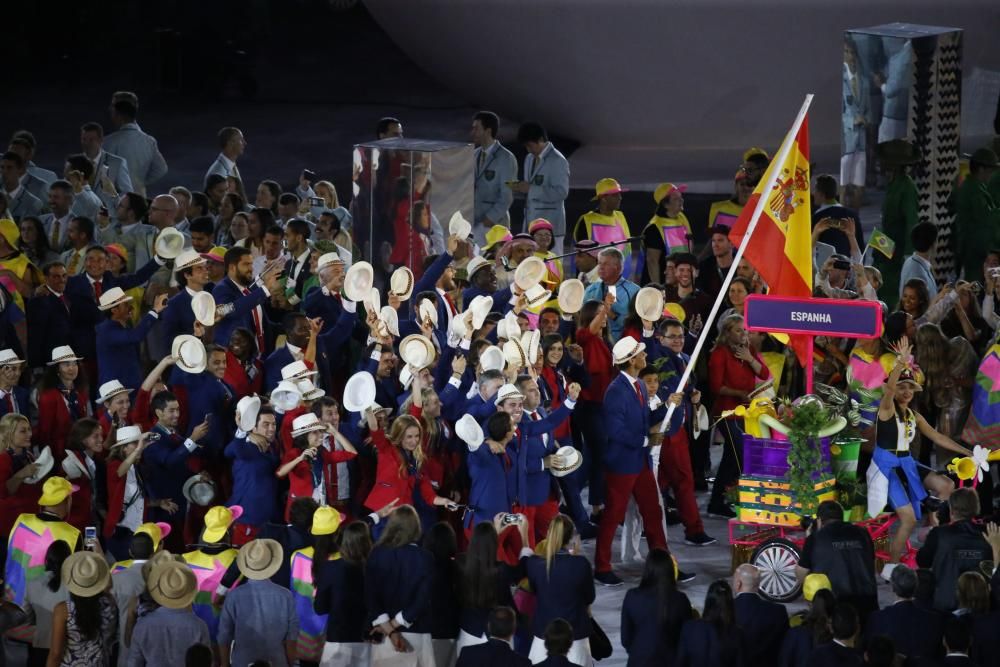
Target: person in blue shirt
(118, 342)
(609, 268)
(255, 488)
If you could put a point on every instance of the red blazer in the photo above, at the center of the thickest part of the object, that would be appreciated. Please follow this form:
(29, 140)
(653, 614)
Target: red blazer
(54, 420)
(236, 377)
(724, 369)
(300, 479)
(24, 500)
(83, 500)
(139, 415)
(390, 483)
(597, 360)
(116, 497)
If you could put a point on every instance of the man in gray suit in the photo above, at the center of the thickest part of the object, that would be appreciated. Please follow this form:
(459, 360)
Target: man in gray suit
(133, 234)
(232, 145)
(56, 223)
(546, 181)
(20, 202)
(79, 172)
(23, 142)
(139, 150)
(111, 175)
(495, 166)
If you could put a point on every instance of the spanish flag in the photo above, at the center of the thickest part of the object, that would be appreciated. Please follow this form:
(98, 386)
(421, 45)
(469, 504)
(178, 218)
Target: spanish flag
(780, 247)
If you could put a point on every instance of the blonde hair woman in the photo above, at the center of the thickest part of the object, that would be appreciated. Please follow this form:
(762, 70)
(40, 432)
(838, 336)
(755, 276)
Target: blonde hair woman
(17, 464)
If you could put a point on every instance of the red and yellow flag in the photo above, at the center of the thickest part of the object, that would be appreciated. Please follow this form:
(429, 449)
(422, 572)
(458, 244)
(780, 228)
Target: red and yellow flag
(781, 245)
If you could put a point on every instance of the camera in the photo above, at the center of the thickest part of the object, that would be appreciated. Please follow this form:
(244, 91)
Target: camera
(316, 201)
(309, 175)
(510, 519)
(841, 265)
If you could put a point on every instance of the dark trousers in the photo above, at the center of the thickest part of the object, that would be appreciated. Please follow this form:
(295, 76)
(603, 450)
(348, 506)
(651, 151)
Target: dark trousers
(588, 416)
(732, 459)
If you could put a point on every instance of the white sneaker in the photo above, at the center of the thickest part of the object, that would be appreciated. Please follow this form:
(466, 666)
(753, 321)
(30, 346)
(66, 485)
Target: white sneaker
(887, 571)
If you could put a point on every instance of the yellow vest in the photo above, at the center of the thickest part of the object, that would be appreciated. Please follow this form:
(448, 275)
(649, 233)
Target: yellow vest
(676, 232)
(554, 275)
(20, 266)
(724, 213)
(30, 538)
(606, 229)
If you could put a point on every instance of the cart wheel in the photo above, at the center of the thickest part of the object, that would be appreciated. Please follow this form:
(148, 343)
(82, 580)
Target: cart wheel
(776, 559)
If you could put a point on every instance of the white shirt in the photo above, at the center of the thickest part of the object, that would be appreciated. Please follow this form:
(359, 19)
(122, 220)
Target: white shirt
(132, 516)
(296, 351)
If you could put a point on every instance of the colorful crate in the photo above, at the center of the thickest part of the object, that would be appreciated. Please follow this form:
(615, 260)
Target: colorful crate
(767, 457)
(771, 502)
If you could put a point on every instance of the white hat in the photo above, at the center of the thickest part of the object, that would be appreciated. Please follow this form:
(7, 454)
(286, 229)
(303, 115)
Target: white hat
(571, 296)
(492, 359)
(286, 395)
(310, 392)
(169, 243)
(469, 430)
(248, 409)
(474, 265)
(110, 389)
(507, 391)
(649, 304)
(508, 327)
(127, 434)
(390, 317)
(529, 272)
(571, 461)
(458, 326)
(358, 281)
(199, 491)
(428, 311)
(537, 295)
(328, 258)
(113, 297)
(73, 468)
(401, 282)
(296, 371)
(203, 306)
(531, 341)
(373, 301)
(190, 354)
(359, 392)
(625, 349)
(61, 354)
(481, 306)
(406, 376)
(306, 423)
(417, 351)
(459, 226)
(8, 358)
(514, 354)
(187, 259)
(44, 463)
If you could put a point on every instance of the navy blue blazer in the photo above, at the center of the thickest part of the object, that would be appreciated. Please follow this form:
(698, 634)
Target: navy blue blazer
(564, 592)
(118, 351)
(399, 582)
(501, 299)
(835, 655)
(488, 494)
(340, 593)
(445, 609)
(242, 315)
(165, 467)
(626, 421)
(84, 314)
(557, 661)
(766, 623)
(649, 642)
(494, 653)
(915, 632)
(796, 647)
(177, 318)
(701, 646)
(50, 326)
(986, 640)
(291, 540)
(23, 404)
(255, 487)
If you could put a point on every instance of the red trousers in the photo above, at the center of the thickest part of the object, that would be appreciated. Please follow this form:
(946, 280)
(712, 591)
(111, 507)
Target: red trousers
(539, 518)
(675, 471)
(643, 488)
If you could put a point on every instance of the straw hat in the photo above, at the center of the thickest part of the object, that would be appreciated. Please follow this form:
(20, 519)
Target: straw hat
(492, 359)
(156, 531)
(61, 354)
(328, 258)
(109, 390)
(248, 408)
(73, 468)
(218, 520)
(172, 584)
(260, 558)
(127, 434)
(190, 354)
(326, 521)
(45, 462)
(508, 391)
(203, 306)
(358, 281)
(515, 354)
(536, 294)
(296, 370)
(310, 392)
(459, 226)
(481, 306)
(417, 351)
(531, 342)
(401, 282)
(607, 186)
(390, 318)
(55, 490)
(199, 491)
(625, 349)
(649, 304)
(9, 358)
(474, 265)
(359, 392)
(529, 272)
(428, 311)
(306, 423)
(187, 259)
(113, 297)
(86, 574)
(570, 297)
(286, 395)
(169, 243)
(571, 461)
(469, 430)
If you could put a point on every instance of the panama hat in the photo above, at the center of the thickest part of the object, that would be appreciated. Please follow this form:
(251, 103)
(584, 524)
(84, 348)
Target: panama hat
(494, 235)
(286, 395)
(45, 462)
(507, 391)
(187, 259)
(390, 318)
(515, 354)
(55, 490)
(306, 423)
(109, 390)
(458, 327)
(469, 430)
(649, 304)
(169, 243)
(113, 297)
(459, 226)
(218, 519)
(531, 341)
(260, 558)
(607, 186)
(626, 348)
(189, 353)
(570, 297)
(172, 584)
(529, 272)
(492, 359)
(296, 371)
(248, 408)
(359, 392)
(571, 461)
(474, 265)
(358, 281)
(328, 258)
(326, 520)
(480, 307)
(664, 190)
(203, 306)
(61, 354)
(156, 531)
(428, 311)
(536, 295)
(310, 392)
(85, 574)
(898, 152)
(373, 302)
(405, 377)
(127, 434)
(9, 358)
(199, 491)
(73, 468)
(401, 282)
(417, 351)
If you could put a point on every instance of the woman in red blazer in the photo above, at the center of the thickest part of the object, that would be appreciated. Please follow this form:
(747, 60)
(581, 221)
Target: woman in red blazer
(17, 496)
(62, 400)
(305, 463)
(244, 370)
(83, 465)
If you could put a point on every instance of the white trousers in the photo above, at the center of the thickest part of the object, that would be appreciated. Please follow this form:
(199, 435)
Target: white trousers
(421, 653)
(352, 654)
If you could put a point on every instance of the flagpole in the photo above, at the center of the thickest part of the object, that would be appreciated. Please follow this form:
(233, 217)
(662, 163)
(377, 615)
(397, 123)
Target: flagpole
(779, 160)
